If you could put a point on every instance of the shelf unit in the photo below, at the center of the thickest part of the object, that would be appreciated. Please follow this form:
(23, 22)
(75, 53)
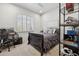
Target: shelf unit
(64, 11)
(66, 43)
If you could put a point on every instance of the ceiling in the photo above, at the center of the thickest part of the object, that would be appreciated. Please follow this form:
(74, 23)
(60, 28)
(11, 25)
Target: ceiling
(39, 8)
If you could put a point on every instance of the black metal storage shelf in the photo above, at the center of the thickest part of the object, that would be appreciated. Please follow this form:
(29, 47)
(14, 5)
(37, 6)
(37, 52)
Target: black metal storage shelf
(65, 13)
(74, 25)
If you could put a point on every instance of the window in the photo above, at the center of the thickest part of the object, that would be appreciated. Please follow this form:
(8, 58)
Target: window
(24, 23)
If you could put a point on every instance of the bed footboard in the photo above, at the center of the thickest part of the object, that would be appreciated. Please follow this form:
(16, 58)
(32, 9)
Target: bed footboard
(36, 40)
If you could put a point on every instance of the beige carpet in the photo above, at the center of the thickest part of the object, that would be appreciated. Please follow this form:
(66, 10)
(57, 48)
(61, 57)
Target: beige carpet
(27, 50)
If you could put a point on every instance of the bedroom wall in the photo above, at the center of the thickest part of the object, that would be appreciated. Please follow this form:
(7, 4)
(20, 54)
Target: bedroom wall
(9, 12)
(51, 19)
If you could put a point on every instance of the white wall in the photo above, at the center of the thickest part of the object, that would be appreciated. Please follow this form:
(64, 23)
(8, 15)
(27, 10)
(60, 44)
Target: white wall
(51, 19)
(9, 12)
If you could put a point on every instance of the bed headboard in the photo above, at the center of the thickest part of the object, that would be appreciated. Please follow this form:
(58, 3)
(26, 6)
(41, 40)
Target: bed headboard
(52, 30)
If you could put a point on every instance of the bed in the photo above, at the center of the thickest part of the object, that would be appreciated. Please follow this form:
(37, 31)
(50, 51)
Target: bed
(43, 42)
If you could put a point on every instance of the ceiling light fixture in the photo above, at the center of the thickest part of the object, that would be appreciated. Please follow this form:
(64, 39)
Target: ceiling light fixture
(41, 11)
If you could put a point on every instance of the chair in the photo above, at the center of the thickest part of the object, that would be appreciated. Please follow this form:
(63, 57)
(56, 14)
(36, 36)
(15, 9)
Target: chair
(4, 42)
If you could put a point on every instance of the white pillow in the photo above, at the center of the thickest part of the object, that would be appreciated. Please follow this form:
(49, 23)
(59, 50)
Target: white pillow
(54, 30)
(49, 31)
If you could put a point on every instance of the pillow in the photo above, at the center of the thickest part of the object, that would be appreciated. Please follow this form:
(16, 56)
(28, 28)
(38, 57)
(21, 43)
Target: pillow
(57, 31)
(49, 31)
(54, 30)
